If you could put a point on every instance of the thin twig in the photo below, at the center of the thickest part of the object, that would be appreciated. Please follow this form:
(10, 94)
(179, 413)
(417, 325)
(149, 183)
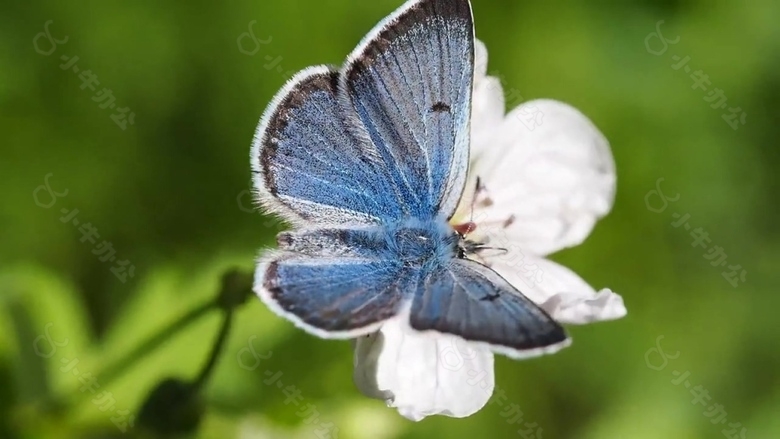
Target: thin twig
(215, 350)
(119, 367)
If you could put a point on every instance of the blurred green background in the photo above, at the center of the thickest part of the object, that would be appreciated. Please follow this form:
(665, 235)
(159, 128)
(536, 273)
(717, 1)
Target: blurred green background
(169, 193)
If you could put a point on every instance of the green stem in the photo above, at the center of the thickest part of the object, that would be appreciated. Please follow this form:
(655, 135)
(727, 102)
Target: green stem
(119, 367)
(215, 350)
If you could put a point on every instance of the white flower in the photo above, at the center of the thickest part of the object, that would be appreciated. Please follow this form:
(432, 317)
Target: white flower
(547, 175)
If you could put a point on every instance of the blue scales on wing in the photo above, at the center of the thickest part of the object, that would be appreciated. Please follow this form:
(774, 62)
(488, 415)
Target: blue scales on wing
(335, 282)
(387, 137)
(335, 295)
(472, 301)
(410, 83)
(308, 166)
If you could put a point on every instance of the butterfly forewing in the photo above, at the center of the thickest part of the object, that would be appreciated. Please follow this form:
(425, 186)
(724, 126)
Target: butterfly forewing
(410, 84)
(308, 166)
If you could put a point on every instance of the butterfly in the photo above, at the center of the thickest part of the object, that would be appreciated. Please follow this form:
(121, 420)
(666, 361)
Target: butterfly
(368, 163)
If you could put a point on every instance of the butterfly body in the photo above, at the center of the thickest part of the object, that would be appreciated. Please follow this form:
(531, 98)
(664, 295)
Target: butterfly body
(368, 163)
(424, 244)
(412, 245)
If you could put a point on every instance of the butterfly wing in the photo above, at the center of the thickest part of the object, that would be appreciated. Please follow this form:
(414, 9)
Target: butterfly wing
(308, 167)
(391, 142)
(333, 283)
(472, 301)
(410, 84)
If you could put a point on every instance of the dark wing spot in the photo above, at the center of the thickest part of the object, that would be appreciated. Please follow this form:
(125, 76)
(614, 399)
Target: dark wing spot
(271, 278)
(284, 240)
(490, 297)
(440, 107)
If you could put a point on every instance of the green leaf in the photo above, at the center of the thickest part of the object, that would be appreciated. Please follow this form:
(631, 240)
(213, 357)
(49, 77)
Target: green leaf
(44, 325)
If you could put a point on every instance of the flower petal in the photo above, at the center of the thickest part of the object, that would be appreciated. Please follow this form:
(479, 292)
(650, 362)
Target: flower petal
(423, 374)
(558, 290)
(487, 114)
(480, 59)
(546, 184)
(487, 103)
(577, 310)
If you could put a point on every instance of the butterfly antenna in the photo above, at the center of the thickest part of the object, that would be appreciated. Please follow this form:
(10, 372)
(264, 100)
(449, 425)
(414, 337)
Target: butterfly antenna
(482, 248)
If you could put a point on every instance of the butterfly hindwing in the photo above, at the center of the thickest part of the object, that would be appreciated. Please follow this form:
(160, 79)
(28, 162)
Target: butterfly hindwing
(410, 84)
(472, 301)
(334, 282)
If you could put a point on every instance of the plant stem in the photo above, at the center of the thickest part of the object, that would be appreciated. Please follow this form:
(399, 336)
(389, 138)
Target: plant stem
(119, 367)
(215, 351)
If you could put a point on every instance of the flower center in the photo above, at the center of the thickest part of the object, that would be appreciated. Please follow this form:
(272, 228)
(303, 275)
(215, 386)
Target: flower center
(465, 228)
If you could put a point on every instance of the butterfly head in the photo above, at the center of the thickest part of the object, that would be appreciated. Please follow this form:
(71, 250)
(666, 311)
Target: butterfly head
(468, 246)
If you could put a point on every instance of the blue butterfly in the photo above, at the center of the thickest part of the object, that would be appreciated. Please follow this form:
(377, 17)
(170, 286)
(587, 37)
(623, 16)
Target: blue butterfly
(368, 164)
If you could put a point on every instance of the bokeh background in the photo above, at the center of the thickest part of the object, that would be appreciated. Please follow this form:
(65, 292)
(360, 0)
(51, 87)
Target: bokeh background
(169, 192)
